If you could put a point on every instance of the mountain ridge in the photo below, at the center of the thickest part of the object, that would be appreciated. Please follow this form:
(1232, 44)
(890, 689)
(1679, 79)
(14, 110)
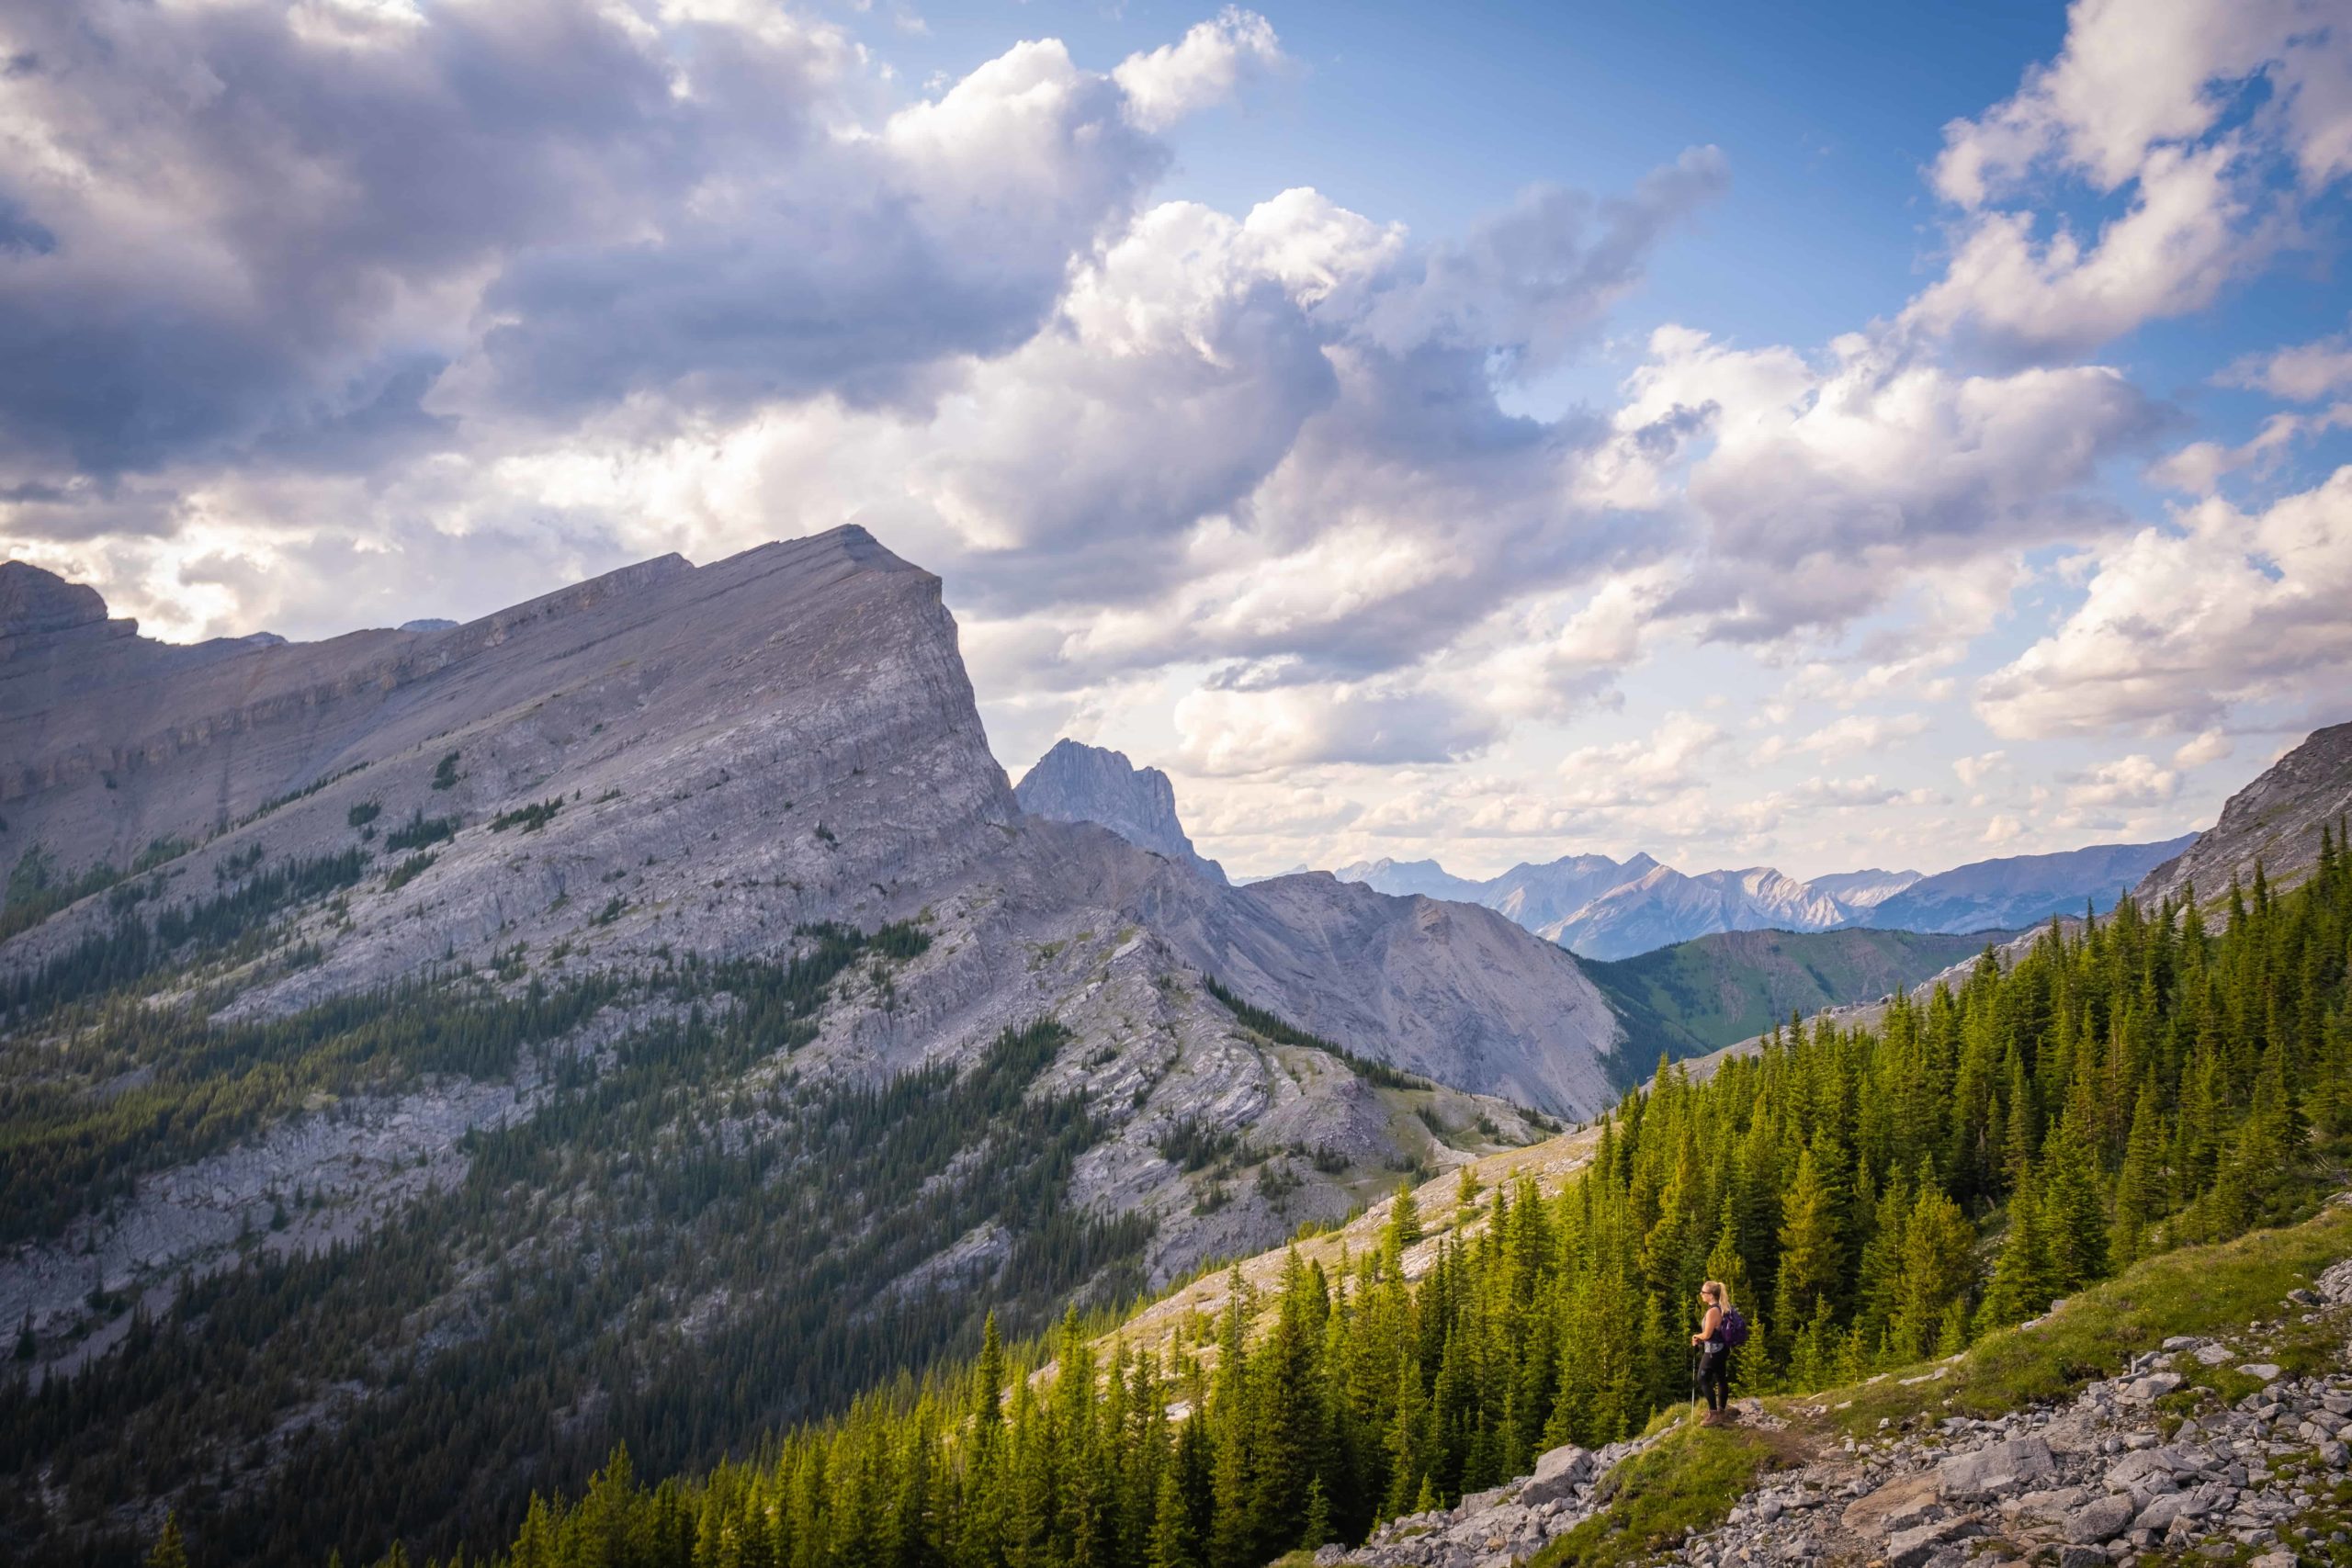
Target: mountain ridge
(1607, 911)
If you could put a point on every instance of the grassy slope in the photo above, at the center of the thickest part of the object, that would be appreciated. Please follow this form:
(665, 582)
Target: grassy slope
(1692, 1479)
(1699, 994)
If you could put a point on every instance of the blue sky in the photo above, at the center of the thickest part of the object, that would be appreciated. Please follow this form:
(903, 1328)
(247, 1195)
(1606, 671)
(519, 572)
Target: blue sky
(1825, 436)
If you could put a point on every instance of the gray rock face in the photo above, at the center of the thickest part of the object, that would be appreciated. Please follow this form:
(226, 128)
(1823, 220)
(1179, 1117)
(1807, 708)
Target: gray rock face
(2276, 819)
(1073, 782)
(733, 752)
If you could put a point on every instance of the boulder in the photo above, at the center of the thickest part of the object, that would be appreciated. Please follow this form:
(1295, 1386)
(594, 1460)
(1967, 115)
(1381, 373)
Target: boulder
(2049, 1506)
(2134, 1471)
(2266, 1371)
(2155, 1385)
(1909, 1549)
(2101, 1519)
(1901, 1498)
(1989, 1472)
(1557, 1474)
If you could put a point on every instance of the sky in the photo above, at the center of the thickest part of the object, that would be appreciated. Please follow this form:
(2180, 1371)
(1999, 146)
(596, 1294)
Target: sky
(1877, 435)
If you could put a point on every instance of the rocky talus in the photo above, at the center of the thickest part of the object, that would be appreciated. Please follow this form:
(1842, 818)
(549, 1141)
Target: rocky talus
(1501, 1526)
(2105, 1478)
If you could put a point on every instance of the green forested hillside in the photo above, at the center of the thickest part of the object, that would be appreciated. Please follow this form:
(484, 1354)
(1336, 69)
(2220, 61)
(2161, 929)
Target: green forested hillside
(2143, 1083)
(1714, 991)
(501, 1335)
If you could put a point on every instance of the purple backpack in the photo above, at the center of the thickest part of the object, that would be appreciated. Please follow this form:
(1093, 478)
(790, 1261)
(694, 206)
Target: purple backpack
(1731, 1331)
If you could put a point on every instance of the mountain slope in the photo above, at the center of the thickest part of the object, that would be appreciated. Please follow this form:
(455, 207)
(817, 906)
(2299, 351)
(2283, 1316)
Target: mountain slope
(2018, 891)
(1699, 995)
(1073, 782)
(669, 952)
(1863, 889)
(2276, 819)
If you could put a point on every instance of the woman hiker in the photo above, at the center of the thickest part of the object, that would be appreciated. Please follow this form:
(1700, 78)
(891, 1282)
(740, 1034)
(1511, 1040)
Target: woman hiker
(1718, 1331)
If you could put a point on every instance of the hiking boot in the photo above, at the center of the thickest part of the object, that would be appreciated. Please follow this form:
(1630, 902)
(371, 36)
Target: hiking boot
(1711, 1418)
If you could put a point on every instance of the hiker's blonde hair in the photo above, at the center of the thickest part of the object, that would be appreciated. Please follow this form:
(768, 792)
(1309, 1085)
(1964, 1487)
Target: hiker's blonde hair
(1718, 1292)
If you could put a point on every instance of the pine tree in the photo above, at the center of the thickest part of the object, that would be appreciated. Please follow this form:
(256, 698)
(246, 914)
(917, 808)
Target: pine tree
(1809, 1250)
(2021, 1283)
(1937, 1267)
(1175, 1539)
(2075, 1222)
(1404, 1224)
(171, 1549)
(2139, 1187)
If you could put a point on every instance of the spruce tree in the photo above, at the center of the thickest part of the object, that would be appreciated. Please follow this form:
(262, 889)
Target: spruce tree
(170, 1550)
(1809, 1247)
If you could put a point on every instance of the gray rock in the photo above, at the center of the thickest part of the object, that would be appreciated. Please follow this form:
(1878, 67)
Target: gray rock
(2101, 1519)
(2002, 1467)
(2048, 1505)
(1557, 1474)
(2266, 1371)
(1910, 1548)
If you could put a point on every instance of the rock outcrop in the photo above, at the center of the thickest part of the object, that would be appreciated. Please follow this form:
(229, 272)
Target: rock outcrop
(2275, 820)
(1074, 783)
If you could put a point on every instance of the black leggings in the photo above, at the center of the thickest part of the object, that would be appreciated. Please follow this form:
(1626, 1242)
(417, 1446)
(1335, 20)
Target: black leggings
(1714, 1374)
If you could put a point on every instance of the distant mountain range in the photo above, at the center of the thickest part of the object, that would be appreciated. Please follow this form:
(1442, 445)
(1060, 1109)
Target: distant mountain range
(1598, 907)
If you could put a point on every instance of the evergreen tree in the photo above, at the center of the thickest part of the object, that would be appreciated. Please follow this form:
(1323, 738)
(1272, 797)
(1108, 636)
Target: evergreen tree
(171, 1549)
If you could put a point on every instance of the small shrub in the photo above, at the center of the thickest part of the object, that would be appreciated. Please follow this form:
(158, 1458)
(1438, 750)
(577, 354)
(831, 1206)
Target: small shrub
(421, 832)
(408, 870)
(530, 818)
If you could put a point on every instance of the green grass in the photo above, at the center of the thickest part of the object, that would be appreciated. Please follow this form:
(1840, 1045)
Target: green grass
(2208, 1290)
(1688, 1480)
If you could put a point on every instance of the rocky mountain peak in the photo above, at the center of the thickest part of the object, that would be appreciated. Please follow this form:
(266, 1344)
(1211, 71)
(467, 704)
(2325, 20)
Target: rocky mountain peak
(1077, 783)
(37, 606)
(2275, 820)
